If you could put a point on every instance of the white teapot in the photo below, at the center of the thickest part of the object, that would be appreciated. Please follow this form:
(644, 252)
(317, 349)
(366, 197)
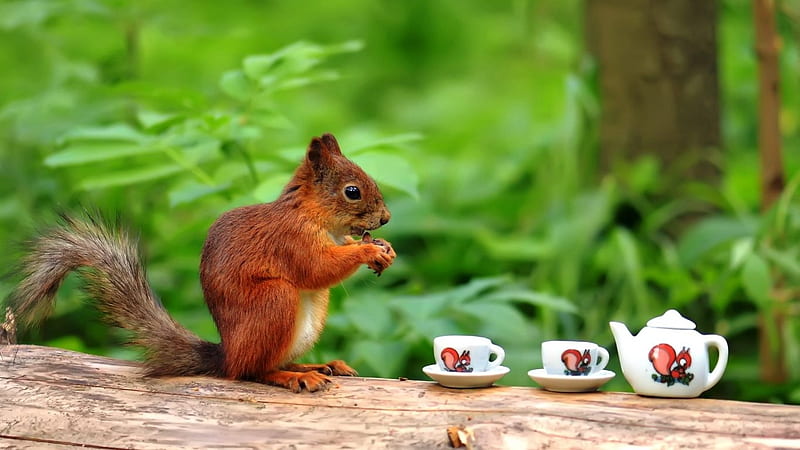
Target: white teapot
(668, 358)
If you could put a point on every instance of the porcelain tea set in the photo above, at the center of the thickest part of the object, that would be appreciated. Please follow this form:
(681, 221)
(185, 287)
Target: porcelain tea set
(668, 358)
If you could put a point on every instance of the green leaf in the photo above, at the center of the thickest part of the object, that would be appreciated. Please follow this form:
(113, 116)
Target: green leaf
(297, 57)
(475, 287)
(532, 298)
(360, 144)
(127, 177)
(370, 316)
(157, 93)
(236, 84)
(116, 132)
(345, 47)
(391, 170)
(498, 319)
(782, 208)
(294, 59)
(418, 309)
(515, 248)
(741, 249)
(386, 359)
(298, 82)
(28, 13)
(272, 119)
(216, 121)
(257, 66)
(191, 190)
(710, 233)
(756, 279)
(785, 259)
(270, 188)
(195, 149)
(153, 120)
(88, 152)
(629, 257)
(429, 327)
(739, 324)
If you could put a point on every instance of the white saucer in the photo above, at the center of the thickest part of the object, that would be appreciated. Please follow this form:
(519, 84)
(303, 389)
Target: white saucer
(465, 379)
(569, 383)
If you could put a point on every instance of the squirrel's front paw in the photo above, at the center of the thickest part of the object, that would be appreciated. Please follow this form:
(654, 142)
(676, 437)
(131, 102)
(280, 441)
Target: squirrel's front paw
(383, 259)
(387, 247)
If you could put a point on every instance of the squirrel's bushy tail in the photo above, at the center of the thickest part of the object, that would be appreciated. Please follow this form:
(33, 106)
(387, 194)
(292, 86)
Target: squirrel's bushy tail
(107, 259)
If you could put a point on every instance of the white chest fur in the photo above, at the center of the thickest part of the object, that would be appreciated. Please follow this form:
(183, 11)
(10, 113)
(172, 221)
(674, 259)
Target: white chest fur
(311, 314)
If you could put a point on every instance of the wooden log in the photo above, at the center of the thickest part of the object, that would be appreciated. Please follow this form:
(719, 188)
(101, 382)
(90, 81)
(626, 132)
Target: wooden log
(55, 397)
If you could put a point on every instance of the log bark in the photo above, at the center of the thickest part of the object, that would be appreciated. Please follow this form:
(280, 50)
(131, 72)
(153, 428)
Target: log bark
(51, 397)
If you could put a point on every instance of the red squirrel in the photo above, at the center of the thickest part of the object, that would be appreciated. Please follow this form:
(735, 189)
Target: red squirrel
(265, 271)
(455, 362)
(577, 363)
(669, 364)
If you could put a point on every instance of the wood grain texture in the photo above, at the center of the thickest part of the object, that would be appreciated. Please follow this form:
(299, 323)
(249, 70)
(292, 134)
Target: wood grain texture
(51, 398)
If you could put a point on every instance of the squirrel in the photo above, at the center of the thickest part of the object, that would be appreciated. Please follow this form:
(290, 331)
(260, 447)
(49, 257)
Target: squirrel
(671, 365)
(576, 363)
(265, 271)
(455, 362)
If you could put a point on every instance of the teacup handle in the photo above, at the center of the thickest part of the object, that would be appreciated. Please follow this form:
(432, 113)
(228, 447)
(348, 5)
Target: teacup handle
(713, 340)
(602, 353)
(499, 353)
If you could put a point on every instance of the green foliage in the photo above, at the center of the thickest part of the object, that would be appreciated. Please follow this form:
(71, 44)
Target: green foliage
(212, 151)
(485, 144)
(392, 327)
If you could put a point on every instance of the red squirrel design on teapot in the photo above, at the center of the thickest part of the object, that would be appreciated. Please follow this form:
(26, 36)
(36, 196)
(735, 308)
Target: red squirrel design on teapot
(671, 366)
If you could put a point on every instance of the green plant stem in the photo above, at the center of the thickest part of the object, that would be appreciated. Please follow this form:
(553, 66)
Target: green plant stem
(199, 173)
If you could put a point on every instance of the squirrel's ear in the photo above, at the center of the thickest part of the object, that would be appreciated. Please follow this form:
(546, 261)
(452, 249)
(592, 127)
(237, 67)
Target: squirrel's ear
(331, 144)
(320, 151)
(315, 150)
(317, 154)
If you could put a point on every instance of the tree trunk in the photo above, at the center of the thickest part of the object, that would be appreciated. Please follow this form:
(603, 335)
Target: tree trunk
(769, 134)
(772, 359)
(658, 82)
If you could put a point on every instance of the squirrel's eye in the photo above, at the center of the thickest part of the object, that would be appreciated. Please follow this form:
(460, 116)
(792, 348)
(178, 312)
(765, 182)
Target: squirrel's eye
(352, 192)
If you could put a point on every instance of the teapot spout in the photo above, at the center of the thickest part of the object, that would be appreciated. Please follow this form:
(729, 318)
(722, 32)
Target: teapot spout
(621, 334)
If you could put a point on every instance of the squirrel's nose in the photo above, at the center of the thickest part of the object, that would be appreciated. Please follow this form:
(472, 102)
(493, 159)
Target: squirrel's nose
(384, 220)
(385, 217)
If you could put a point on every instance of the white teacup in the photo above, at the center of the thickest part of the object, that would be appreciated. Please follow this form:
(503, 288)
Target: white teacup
(574, 358)
(456, 353)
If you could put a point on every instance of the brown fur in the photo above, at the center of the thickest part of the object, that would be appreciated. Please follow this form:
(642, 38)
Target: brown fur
(265, 272)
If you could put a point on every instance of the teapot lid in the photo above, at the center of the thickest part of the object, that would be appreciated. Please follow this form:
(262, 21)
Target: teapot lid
(671, 319)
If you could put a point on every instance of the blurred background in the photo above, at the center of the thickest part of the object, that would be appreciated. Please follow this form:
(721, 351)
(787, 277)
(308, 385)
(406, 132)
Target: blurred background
(550, 164)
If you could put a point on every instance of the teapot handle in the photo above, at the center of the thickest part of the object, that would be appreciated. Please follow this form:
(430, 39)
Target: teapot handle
(713, 340)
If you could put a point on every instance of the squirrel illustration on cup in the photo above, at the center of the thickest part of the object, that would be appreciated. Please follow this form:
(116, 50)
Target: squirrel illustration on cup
(455, 362)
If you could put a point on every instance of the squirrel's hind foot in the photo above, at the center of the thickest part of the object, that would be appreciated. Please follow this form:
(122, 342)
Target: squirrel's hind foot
(298, 381)
(336, 368)
(341, 369)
